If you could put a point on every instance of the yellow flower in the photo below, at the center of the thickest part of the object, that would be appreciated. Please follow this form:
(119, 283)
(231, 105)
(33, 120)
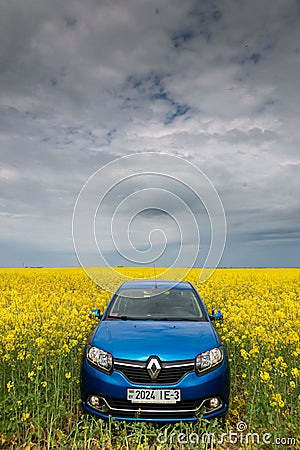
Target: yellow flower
(21, 356)
(292, 384)
(267, 364)
(25, 416)
(66, 348)
(277, 400)
(10, 385)
(264, 376)
(295, 372)
(244, 375)
(44, 383)
(31, 375)
(244, 354)
(68, 375)
(254, 352)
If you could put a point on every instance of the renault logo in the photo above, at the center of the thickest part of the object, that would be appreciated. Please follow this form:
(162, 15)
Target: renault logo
(153, 368)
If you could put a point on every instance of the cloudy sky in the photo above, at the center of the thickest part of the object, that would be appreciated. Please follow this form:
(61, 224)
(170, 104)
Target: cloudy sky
(215, 83)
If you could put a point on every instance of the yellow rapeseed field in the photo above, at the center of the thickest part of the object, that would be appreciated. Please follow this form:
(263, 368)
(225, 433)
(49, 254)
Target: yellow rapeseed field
(44, 324)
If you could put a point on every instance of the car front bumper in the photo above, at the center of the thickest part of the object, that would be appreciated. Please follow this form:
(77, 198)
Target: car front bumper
(196, 391)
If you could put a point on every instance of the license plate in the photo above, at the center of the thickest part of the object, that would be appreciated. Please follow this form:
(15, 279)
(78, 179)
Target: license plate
(154, 395)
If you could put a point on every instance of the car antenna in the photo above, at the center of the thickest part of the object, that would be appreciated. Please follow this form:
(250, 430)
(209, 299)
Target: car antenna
(155, 276)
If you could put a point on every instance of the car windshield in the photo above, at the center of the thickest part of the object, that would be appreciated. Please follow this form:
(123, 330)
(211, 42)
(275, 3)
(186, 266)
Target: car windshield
(156, 304)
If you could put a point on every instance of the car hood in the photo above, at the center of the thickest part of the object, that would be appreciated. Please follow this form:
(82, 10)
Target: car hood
(170, 341)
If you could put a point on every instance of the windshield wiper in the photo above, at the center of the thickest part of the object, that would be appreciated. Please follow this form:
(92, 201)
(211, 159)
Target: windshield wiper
(178, 319)
(125, 318)
(191, 319)
(117, 317)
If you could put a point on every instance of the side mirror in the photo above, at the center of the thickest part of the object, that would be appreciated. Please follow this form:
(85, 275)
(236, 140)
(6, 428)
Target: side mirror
(216, 315)
(95, 314)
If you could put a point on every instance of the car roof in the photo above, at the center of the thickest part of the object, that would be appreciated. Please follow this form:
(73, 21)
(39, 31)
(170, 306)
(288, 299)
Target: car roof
(153, 284)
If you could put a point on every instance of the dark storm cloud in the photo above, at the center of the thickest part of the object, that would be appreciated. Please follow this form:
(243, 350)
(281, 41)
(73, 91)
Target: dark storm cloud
(213, 82)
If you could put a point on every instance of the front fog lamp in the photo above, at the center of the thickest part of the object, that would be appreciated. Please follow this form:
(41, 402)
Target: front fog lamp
(100, 358)
(207, 360)
(214, 402)
(94, 400)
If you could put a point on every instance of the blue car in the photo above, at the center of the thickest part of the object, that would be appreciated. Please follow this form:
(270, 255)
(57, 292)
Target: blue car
(155, 356)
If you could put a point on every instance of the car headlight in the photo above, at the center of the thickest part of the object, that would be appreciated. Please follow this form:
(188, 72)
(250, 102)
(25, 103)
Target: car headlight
(100, 358)
(207, 360)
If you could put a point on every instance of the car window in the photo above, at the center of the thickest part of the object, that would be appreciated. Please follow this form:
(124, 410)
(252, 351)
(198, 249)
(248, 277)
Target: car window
(156, 304)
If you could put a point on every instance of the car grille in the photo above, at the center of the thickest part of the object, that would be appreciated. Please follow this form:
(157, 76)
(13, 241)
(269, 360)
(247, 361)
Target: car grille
(183, 409)
(170, 373)
(126, 404)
